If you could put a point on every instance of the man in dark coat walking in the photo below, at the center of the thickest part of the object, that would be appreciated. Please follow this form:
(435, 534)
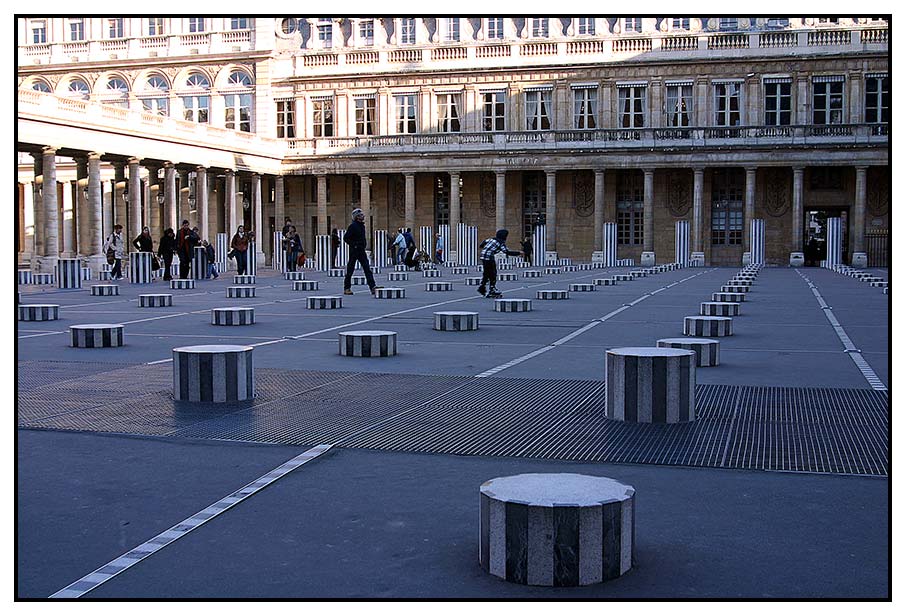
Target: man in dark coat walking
(355, 237)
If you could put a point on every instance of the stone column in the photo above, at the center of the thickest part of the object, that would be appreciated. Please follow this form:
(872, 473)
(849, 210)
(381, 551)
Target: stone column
(797, 257)
(859, 256)
(410, 200)
(38, 206)
(67, 228)
(95, 207)
(698, 250)
(50, 220)
(135, 201)
(749, 208)
(83, 229)
(322, 204)
(455, 216)
(119, 199)
(500, 196)
(648, 256)
(170, 216)
(154, 209)
(201, 202)
(550, 215)
(599, 210)
(365, 202)
(28, 219)
(258, 218)
(279, 205)
(229, 203)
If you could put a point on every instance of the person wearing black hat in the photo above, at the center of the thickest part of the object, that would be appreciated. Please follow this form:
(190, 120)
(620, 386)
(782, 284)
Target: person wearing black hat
(489, 248)
(355, 237)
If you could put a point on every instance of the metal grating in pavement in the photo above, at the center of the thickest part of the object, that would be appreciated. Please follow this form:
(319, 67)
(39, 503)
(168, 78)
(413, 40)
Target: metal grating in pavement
(768, 428)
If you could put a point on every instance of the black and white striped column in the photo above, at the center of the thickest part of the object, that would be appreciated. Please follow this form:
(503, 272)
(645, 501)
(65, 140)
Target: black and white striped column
(322, 253)
(232, 315)
(756, 227)
(558, 529)
(252, 259)
(96, 335)
(610, 244)
(623, 277)
(473, 281)
(103, 290)
(68, 273)
(581, 287)
(507, 277)
(532, 274)
(707, 351)
(324, 302)
(342, 256)
(459, 270)
(42, 278)
(650, 384)
(294, 275)
(379, 248)
(155, 300)
(444, 232)
(199, 266)
(305, 285)
(213, 373)
(140, 267)
(278, 254)
(432, 273)
(367, 343)
(182, 283)
(236, 292)
(553, 270)
(512, 305)
(638, 273)
(221, 248)
(244, 279)
(39, 312)
(455, 321)
(466, 245)
(708, 327)
(438, 286)
(734, 288)
(357, 280)
(336, 272)
(834, 242)
(539, 246)
(397, 276)
(426, 240)
(719, 309)
(605, 282)
(25, 277)
(728, 297)
(683, 248)
(552, 294)
(390, 293)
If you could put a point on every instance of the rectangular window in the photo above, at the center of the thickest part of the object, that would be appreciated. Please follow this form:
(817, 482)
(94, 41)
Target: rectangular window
(322, 118)
(39, 32)
(586, 26)
(727, 190)
(494, 28)
(777, 103)
(585, 108)
(726, 104)
(877, 99)
(155, 26)
(238, 112)
(540, 28)
(195, 108)
(777, 22)
(77, 29)
(366, 32)
(828, 20)
(494, 111)
(365, 116)
(239, 23)
(286, 119)
(680, 23)
(827, 101)
(115, 28)
(728, 23)
(448, 106)
(679, 105)
(196, 24)
(159, 106)
(633, 105)
(406, 114)
(450, 30)
(630, 209)
(632, 24)
(538, 110)
(407, 31)
(325, 32)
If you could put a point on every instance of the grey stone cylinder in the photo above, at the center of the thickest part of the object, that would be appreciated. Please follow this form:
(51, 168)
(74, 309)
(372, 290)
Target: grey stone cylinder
(702, 326)
(96, 335)
(105, 289)
(39, 312)
(728, 297)
(155, 300)
(581, 287)
(719, 309)
(438, 286)
(247, 278)
(305, 285)
(455, 321)
(213, 373)
(552, 294)
(235, 292)
(324, 302)
(650, 384)
(707, 351)
(397, 276)
(182, 283)
(69, 273)
(372, 343)
(233, 315)
(558, 529)
(390, 293)
(512, 305)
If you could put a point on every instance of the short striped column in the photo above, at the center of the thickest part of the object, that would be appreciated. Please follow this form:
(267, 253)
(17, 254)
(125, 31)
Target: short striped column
(512, 305)
(503, 265)
(397, 276)
(707, 327)
(399, 267)
(358, 280)
(719, 309)
(68, 273)
(155, 300)
(623, 277)
(373, 343)
(728, 297)
(25, 277)
(432, 273)
(455, 321)
(102, 290)
(551, 294)
(140, 271)
(236, 292)
(243, 279)
(86, 273)
(336, 273)
(507, 277)
(880, 283)
(96, 335)
(734, 288)
(294, 275)
(42, 278)
(324, 302)
(638, 273)
(39, 312)
(707, 351)
(553, 270)
(305, 285)
(213, 373)
(459, 270)
(650, 384)
(570, 268)
(473, 281)
(532, 274)
(390, 293)
(102, 275)
(182, 283)
(581, 286)
(438, 286)
(232, 315)
(605, 282)
(557, 529)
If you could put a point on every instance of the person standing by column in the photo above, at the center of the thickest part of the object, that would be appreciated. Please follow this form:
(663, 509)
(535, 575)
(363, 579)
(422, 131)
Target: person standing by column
(209, 254)
(527, 249)
(184, 249)
(144, 242)
(410, 247)
(334, 247)
(400, 245)
(438, 249)
(115, 247)
(355, 237)
(165, 249)
(240, 247)
(293, 248)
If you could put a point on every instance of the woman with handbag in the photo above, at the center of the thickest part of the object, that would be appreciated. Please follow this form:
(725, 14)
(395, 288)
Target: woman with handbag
(114, 249)
(165, 249)
(240, 246)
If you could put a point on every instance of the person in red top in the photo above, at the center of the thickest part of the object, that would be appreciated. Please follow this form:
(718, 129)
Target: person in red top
(240, 246)
(184, 249)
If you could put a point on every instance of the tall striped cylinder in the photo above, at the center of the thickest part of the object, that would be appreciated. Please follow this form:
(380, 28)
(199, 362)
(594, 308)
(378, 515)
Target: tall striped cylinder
(221, 248)
(539, 242)
(252, 259)
(609, 238)
(213, 373)
(278, 254)
(834, 243)
(558, 529)
(199, 267)
(379, 248)
(342, 256)
(757, 241)
(650, 384)
(683, 247)
(140, 267)
(426, 240)
(467, 244)
(69, 274)
(86, 273)
(444, 231)
(322, 253)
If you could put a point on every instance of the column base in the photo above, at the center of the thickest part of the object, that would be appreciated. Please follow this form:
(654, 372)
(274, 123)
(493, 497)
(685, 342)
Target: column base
(44, 265)
(550, 255)
(597, 256)
(797, 259)
(746, 258)
(859, 259)
(697, 259)
(648, 259)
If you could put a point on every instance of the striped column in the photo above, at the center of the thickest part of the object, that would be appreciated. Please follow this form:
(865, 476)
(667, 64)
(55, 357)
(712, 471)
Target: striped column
(444, 231)
(728, 297)
(293, 275)
(379, 248)
(42, 278)
(467, 242)
(610, 244)
(221, 248)
(247, 279)
(324, 302)
(235, 292)
(473, 281)
(397, 276)
(707, 351)
(512, 305)
(552, 294)
(558, 529)
(96, 335)
(539, 241)
(305, 285)
(834, 243)
(322, 253)
(605, 282)
(756, 227)
(233, 316)
(507, 277)
(39, 312)
(650, 384)
(432, 273)
(199, 265)
(252, 259)
(140, 267)
(374, 343)
(182, 283)
(155, 300)
(278, 255)
(342, 256)
(68, 273)
(682, 241)
(426, 240)
(25, 277)
(455, 321)
(438, 286)
(213, 373)
(86, 273)
(390, 293)
(719, 309)
(581, 287)
(101, 290)
(708, 327)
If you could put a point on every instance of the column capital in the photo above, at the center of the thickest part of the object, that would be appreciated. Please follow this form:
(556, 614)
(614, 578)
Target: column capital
(751, 168)
(862, 168)
(409, 174)
(599, 171)
(454, 173)
(169, 165)
(201, 168)
(499, 171)
(364, 176)
(133, 160)
(95, 155)
(550, 171)
(648, 171)
(798, 169)
(48, 150)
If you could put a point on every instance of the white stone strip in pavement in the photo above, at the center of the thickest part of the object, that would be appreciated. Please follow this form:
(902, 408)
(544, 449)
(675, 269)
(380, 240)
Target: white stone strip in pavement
(133, 556)
(848, 347)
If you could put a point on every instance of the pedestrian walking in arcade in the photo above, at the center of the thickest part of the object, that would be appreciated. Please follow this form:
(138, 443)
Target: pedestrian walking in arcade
(115, 247)
(184, 249)
(165, 249)
(209, 254)
(489, 248)
(355, 237)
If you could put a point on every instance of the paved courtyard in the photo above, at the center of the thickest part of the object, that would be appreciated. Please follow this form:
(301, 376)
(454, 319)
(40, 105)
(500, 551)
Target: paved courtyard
(779, 489)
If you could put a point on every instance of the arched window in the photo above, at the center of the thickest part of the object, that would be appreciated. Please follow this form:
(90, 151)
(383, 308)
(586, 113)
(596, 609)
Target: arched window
(154, 97)
(196, 108)
(117, 93)
(78, 89)
(198, 81)
(239, 79)
(40, 86)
